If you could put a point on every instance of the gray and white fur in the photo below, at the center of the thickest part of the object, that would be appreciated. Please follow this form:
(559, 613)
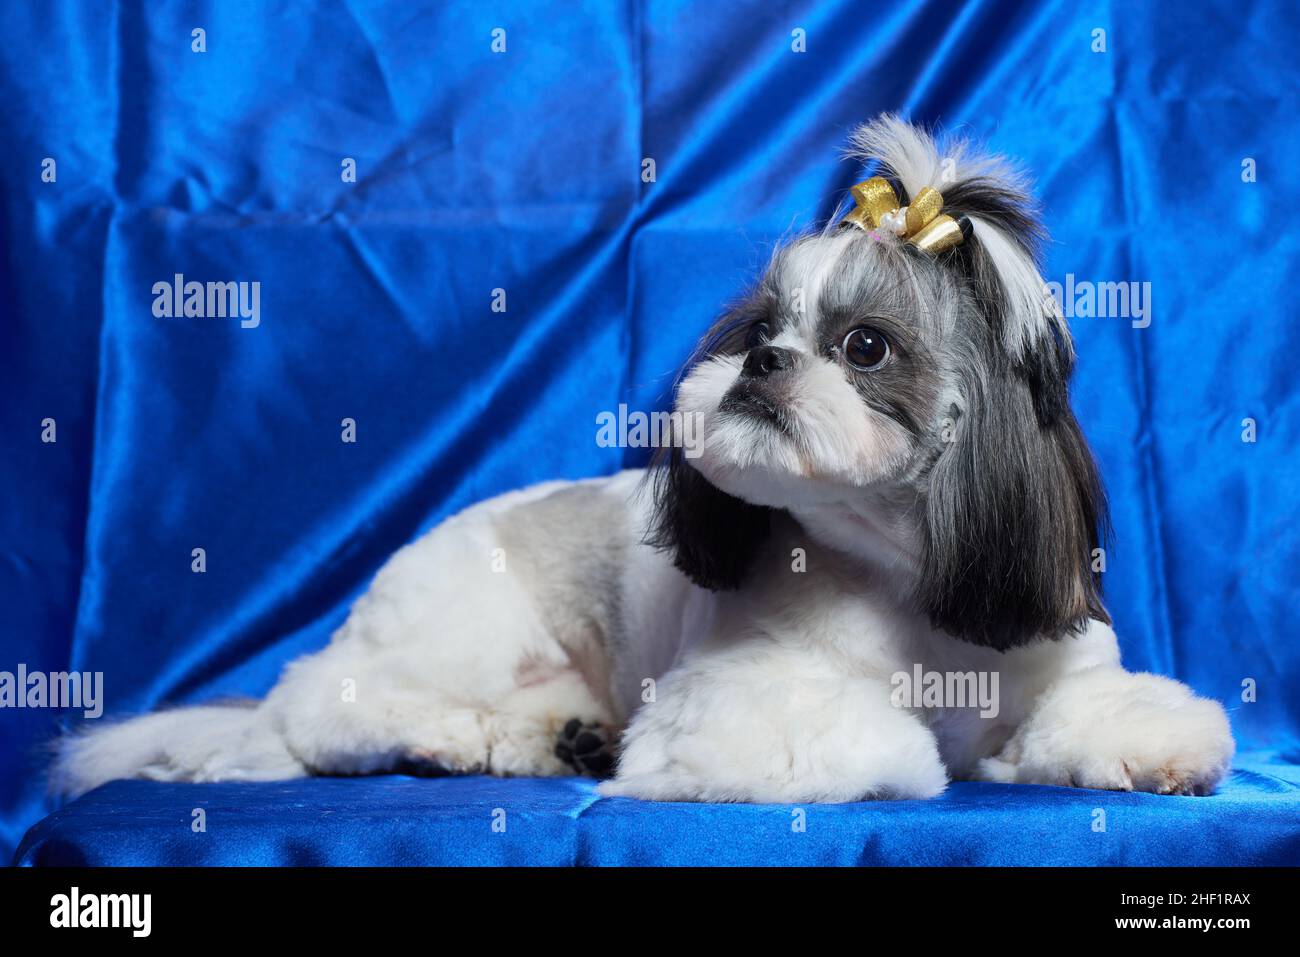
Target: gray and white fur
(890, 476)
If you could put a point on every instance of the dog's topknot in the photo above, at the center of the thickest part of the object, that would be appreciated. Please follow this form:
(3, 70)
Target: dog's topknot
(993, 194)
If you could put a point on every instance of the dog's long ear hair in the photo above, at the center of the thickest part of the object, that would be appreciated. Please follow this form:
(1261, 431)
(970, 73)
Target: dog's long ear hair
(1013, 508)
(1012, 514)
(712, 536)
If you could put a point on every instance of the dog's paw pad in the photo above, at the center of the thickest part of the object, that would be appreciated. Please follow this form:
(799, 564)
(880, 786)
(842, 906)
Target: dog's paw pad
(587, 748)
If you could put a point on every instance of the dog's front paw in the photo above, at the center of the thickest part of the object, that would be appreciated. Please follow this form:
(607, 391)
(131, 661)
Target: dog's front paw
(771, 735)
(1108, 729)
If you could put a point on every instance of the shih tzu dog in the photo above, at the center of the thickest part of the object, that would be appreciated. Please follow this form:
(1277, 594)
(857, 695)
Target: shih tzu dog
(889, 483)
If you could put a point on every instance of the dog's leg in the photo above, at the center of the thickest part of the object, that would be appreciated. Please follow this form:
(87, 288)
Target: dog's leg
(556, 727)
(766, 723)
(355, 709)
(1104, 727)
(471, 650)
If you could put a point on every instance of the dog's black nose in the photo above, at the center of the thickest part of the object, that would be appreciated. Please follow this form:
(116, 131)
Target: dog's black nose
(764, 360)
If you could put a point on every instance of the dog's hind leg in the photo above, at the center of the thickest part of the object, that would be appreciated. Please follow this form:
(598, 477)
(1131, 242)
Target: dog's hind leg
(589, 748)
(356, 709)
(557, 727)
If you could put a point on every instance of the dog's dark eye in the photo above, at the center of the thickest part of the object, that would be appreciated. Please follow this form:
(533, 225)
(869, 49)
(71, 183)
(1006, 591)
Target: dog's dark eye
(757, 334)
(866, 349)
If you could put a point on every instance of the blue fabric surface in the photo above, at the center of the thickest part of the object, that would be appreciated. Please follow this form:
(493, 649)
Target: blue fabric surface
(521, 171)
(400, 821)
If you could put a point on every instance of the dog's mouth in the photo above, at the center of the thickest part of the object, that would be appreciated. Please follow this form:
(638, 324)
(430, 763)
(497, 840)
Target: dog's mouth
(745, 400)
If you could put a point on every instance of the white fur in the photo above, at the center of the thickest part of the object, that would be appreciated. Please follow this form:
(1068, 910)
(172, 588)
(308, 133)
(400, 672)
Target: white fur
(1032, 313)
(919, 161)
(780, 691)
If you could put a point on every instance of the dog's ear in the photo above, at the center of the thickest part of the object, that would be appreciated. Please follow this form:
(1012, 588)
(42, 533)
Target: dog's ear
(1012, 516)
(1014, 507)
(713, 536)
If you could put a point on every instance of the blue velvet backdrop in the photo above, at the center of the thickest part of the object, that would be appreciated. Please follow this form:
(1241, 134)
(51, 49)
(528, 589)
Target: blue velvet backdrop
(521, 171)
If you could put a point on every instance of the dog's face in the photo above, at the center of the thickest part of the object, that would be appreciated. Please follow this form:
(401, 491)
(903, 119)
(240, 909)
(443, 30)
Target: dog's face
(862, 364)
(834, 376)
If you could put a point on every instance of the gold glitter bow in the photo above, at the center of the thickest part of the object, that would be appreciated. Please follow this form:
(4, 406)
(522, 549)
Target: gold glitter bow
(920, 222)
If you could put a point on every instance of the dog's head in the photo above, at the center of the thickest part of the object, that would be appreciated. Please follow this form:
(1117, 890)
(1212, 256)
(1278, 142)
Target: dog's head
(865, 368)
